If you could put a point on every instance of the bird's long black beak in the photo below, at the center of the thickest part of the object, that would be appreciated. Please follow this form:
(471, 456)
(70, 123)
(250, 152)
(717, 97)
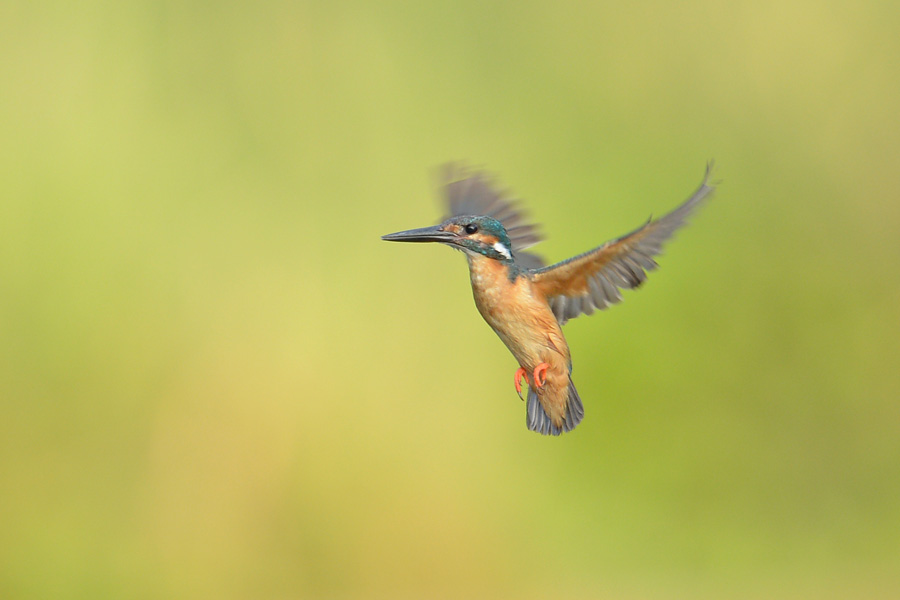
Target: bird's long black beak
(424, 234)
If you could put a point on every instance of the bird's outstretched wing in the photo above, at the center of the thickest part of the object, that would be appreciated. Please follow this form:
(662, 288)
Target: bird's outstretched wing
(472, 192)
(593, 279)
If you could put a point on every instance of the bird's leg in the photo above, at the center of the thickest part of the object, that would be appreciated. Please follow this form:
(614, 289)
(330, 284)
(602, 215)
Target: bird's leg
(540, 374)
(521, 373)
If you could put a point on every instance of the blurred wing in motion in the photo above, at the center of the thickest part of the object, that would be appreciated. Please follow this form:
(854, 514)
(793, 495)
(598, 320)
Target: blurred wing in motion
(469, 192)
(592, 280)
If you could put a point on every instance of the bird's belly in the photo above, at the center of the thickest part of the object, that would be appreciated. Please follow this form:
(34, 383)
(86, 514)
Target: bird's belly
(527, 343)
(525, 323)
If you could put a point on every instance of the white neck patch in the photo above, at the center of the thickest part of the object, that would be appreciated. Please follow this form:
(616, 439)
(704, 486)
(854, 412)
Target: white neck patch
(502, 250)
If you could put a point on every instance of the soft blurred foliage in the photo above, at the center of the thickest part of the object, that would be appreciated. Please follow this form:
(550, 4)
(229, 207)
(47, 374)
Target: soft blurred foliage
(217, 382)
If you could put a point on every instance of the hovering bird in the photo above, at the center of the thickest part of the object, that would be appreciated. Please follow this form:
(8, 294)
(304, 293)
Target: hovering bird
(525, 302)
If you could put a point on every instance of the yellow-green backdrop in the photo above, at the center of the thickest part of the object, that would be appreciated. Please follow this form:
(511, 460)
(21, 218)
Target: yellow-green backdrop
(217, 382)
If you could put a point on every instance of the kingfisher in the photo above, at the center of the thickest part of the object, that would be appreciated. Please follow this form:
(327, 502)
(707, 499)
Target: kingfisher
(525, 302)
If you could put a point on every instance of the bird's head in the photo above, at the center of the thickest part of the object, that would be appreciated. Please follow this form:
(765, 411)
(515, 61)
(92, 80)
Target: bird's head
(484, 236)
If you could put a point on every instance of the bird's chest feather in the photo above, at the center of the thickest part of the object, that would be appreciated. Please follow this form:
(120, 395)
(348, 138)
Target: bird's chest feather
(523, 320)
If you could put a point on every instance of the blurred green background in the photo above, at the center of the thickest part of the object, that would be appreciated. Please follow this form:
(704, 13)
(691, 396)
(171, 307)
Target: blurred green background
(217, 382)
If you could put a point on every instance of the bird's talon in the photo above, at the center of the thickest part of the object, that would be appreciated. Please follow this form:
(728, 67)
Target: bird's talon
(540, 374)
(519, 376)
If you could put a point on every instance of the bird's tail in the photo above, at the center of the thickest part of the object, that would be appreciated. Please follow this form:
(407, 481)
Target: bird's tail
(539, 421)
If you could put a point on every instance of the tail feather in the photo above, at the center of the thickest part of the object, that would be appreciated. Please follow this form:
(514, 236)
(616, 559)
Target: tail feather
(539, 421)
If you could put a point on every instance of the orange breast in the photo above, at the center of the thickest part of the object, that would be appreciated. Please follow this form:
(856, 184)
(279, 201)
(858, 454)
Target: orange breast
(519, 314)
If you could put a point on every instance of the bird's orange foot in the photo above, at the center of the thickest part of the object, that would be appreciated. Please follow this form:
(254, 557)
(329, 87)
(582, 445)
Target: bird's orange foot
(540, 374)
(519, 376)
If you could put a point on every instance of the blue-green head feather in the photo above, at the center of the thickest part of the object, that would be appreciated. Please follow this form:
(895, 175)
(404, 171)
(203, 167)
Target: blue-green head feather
(480, 235)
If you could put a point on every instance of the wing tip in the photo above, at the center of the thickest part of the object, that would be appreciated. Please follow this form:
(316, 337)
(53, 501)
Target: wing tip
(708, 180)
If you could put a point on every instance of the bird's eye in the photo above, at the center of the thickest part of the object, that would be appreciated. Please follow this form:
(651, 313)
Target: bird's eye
(471, 228)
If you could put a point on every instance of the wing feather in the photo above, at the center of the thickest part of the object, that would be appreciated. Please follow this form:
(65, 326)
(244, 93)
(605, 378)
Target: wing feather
(593, 280)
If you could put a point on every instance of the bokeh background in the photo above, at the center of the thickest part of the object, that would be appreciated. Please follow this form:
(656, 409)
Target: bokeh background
(217, 382)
